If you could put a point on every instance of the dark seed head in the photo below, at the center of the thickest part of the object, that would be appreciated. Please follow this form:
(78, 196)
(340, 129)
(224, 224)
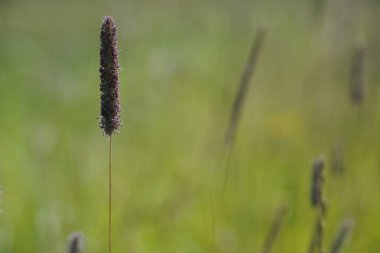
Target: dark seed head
(317, 182)
(76, 243)
(342, 235)
(110, 120)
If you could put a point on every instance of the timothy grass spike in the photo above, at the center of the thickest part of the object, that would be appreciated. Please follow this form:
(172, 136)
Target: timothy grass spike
(319, 203)
(110, 120)
(75, 243)
(342, 235)
(317, 182)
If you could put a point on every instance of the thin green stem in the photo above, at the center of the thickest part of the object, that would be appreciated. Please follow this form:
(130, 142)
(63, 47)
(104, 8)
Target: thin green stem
(320, 231)
(274, 230)
(110, 197)
(316, 242)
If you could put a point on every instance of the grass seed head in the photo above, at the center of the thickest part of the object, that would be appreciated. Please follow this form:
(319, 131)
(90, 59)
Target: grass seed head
(110, 120)
(317, 182)
(76, 243)
(342, 235)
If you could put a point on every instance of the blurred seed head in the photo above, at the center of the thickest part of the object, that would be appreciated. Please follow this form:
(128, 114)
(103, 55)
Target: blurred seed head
(317, 182)
(342, 235)
(318, 7)
(357, 75)
(110, 120)
(75, 243)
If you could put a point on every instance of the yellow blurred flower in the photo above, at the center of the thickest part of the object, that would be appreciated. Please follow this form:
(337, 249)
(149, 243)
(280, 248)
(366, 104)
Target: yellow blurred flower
(284, 125)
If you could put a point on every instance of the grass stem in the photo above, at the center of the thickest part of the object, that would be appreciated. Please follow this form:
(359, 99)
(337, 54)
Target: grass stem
(110, 197)
(274, 230)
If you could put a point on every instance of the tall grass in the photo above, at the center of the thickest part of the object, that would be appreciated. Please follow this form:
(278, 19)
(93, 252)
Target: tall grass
(184, 52)
(240, 98)
(274, 229)
(110, 121)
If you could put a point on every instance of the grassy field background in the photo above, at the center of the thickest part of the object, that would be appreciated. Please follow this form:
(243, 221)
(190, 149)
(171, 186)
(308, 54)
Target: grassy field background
(181, 63)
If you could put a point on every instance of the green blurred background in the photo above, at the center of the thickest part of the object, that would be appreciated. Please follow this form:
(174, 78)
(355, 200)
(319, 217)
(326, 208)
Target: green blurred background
(181, 63)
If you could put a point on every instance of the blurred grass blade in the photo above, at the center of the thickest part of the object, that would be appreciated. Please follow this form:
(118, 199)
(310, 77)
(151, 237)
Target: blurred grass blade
(274, 230)
(243, 87)
(357, 75)
(342, 235)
